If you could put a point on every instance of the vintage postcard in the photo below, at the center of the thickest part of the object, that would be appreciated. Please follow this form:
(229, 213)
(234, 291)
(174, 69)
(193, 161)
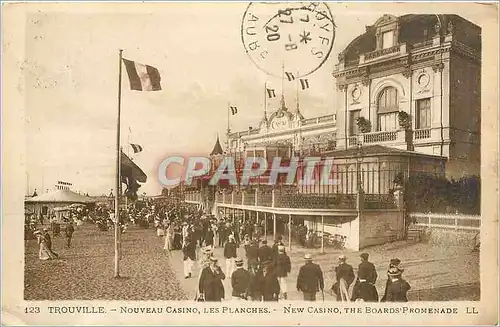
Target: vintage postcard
(249, 163)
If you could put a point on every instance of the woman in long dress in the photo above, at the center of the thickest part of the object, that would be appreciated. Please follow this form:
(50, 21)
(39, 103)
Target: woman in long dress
(168, 238)
(44, 253)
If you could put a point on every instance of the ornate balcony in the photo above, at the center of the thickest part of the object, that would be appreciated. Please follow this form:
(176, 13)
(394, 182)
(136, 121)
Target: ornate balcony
(422, 133)
(380, 137)
(384, 52)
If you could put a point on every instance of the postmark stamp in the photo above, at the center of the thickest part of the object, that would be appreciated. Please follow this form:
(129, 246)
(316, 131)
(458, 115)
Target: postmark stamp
(298, 36)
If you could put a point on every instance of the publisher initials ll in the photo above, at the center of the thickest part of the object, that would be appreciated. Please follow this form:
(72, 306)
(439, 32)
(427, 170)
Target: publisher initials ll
(471, 311)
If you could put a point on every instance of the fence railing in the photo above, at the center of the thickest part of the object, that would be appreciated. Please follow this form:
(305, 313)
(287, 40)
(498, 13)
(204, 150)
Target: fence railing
(379, 137)
(447, 221)
(382, 52)
(422, 133)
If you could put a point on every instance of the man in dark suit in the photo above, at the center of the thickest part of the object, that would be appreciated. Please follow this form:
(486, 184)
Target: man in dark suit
(282, 266)
(210, 285)
(310, 279)
(267, 283)
(345, 277)
(398, 287)
(265, 252)
(367, 269)
(189, 255)
(253, 257)
(240, 281)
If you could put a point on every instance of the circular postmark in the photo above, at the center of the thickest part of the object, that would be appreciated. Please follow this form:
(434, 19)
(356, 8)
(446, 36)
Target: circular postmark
(293, 37)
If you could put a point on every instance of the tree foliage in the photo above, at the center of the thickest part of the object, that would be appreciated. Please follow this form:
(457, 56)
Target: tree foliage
(436, 194)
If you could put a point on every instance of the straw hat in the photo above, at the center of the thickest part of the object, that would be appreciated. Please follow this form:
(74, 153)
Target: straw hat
(308, 257)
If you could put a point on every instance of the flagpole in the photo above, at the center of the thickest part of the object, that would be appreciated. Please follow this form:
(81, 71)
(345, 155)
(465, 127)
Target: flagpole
(228, 108)
(265, 100)
(117, 176)
(282, 81)
(297, 90)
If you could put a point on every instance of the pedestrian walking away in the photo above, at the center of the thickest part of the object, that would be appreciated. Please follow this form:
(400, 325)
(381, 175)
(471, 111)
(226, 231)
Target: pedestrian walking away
(283, 267)
(69, 230)
(240, 282)
(394, 263)
(363, 289)
(310, 279)
(367, 269)
(344, 273)
(398, 288)
(267, 282)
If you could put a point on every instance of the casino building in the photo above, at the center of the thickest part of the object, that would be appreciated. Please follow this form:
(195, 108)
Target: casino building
(408, 94)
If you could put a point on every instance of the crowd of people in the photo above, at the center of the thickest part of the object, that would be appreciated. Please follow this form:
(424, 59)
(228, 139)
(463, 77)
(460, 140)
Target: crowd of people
(185, 227)
(267, 270)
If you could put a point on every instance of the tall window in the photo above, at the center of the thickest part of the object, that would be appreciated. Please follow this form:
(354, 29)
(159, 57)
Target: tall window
(353, 119)
(387, 111)
(387, 39)
(423, 113)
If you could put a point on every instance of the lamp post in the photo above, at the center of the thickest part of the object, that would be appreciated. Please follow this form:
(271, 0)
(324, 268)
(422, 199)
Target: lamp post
(359, 159)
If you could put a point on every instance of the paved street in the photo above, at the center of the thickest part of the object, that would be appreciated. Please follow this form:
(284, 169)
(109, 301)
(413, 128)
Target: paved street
(85, 271)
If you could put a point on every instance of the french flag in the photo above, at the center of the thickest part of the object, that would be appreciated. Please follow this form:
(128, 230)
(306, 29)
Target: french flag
(142, 77)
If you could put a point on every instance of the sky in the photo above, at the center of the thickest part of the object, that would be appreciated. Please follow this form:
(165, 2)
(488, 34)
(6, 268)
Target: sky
(71, 77)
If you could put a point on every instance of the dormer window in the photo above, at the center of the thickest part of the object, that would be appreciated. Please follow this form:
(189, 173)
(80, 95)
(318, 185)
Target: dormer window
(387, 39)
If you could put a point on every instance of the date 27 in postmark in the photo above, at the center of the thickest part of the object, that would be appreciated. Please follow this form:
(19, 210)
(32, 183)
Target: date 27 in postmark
(298, 36)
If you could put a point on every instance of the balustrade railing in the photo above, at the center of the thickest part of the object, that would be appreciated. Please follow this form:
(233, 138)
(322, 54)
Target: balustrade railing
(422, 133)
(379, 137)
(353, 141)
(383, 52)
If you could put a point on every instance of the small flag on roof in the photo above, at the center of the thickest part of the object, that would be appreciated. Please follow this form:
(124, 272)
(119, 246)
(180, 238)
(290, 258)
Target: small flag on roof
(136, 147)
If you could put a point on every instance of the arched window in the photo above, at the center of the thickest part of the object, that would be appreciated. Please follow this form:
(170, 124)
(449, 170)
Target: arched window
(387, 110)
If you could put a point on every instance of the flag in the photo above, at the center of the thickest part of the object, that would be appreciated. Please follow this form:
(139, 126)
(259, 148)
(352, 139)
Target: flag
(136, 147)
(304, 83)
(234, 110)
(131, 175)
(270, 93)
(142, 77)
(290, 76)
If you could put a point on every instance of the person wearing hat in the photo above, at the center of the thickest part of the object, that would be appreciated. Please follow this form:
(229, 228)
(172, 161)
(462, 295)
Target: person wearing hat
(310, 279)
(240, 281)
(189, 255)
(44, 252)
(265, 252)
(393, 263)
(277, 242)
(210, 285)
(283, 267)
(363, 289)
(230, 254)
(253, 257)
(344, 274)
(265, 283)
(367, 269)
(398, 288)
